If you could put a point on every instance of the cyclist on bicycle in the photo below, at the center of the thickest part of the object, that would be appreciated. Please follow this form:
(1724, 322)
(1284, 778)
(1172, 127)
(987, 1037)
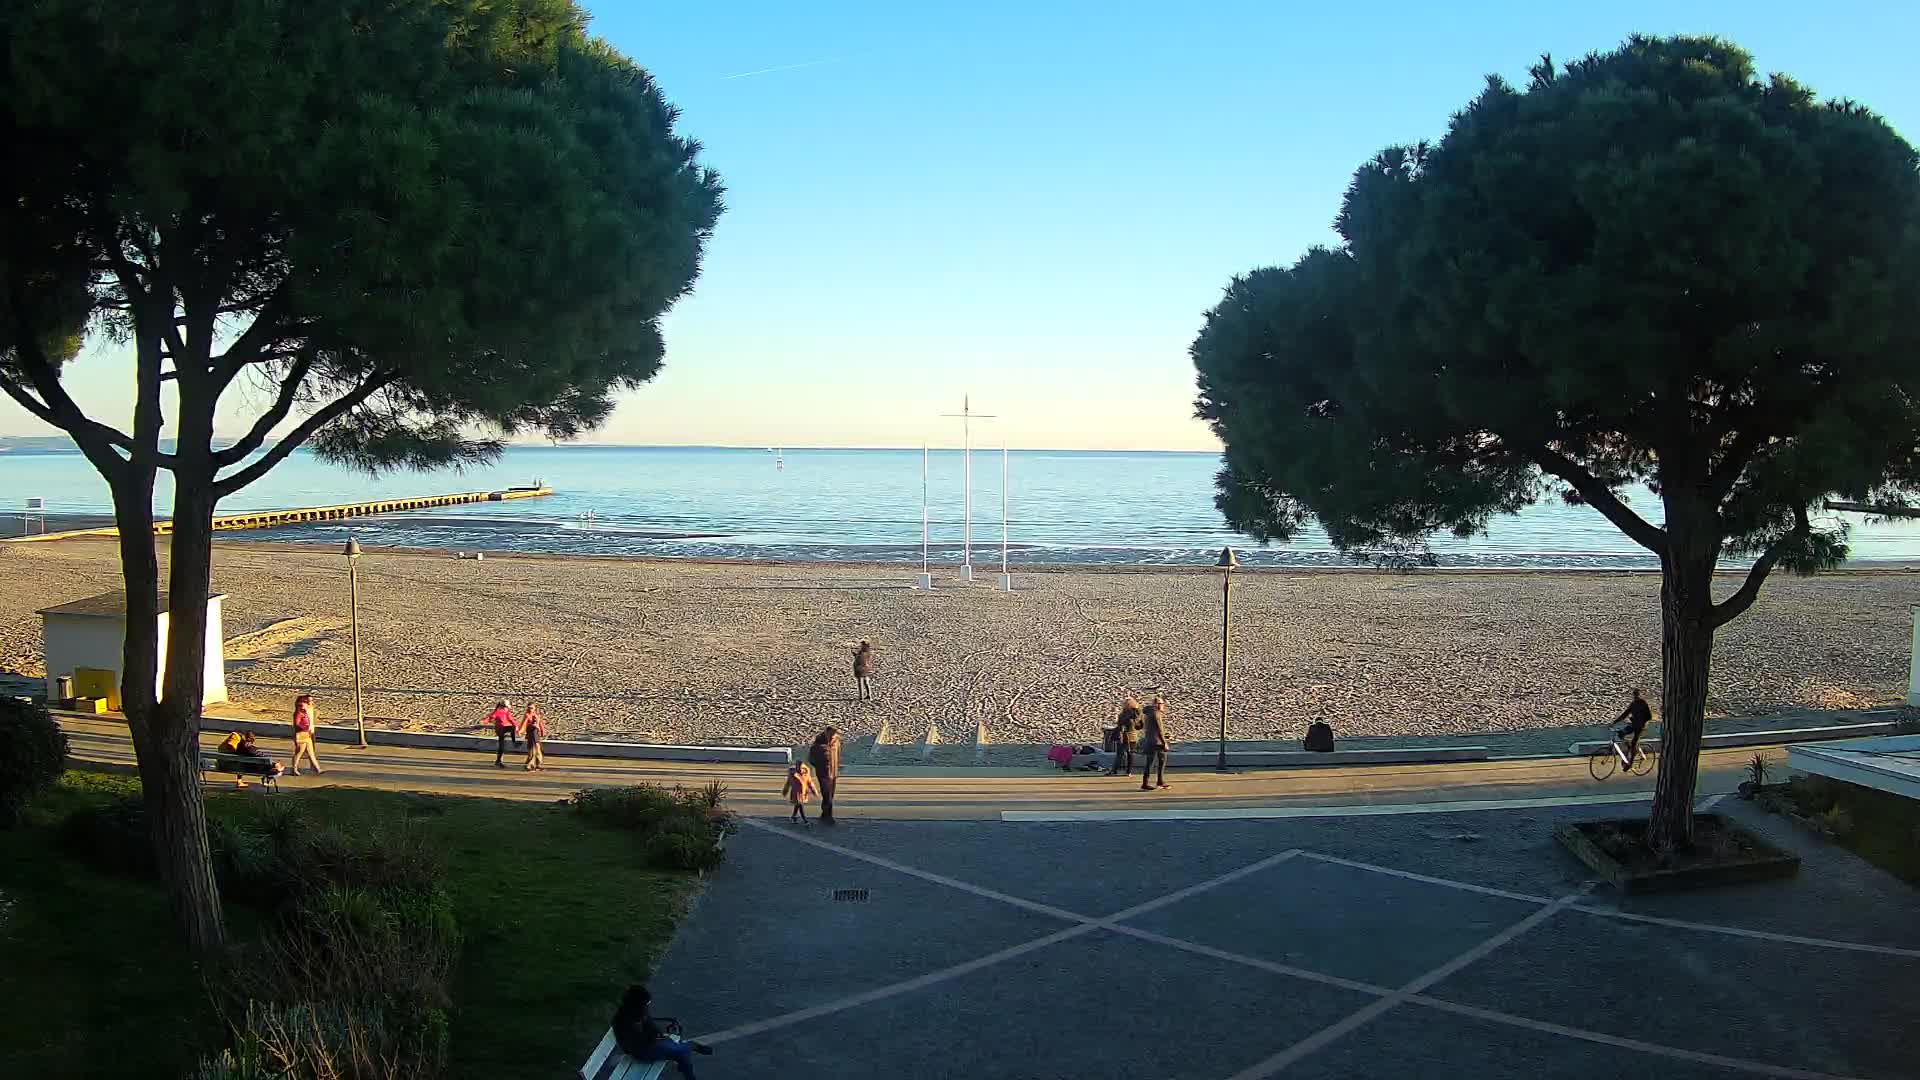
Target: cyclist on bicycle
(1629, 726)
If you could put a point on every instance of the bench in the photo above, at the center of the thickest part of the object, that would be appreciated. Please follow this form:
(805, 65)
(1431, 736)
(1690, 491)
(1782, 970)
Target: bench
(609, 1062)
(240, 766)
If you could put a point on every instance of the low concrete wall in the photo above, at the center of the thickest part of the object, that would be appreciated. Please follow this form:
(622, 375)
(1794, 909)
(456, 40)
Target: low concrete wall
(485, 744)
(1294, 759)
(1761, 738)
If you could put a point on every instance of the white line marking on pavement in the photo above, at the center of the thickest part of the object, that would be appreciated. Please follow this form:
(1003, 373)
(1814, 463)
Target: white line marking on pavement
(924, 875)
(895, 989)
(1411, 876)
(1252, 961)
(1254, 813)
(1373, 1009)
(1709, 803)
(1759, 1067)
(1741, 931)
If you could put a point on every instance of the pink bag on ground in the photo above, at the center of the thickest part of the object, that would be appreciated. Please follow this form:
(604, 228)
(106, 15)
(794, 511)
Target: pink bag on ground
(1060, 755)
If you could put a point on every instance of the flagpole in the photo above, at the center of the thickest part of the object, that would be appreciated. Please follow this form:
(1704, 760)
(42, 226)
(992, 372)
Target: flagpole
(1006, 578)
(926, 456)
(966, 537)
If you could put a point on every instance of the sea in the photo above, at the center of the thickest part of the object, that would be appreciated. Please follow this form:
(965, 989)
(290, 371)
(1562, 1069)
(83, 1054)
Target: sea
(1133, 508)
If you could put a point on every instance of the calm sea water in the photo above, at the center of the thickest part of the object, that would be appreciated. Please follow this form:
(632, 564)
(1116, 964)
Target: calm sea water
(1063, 507)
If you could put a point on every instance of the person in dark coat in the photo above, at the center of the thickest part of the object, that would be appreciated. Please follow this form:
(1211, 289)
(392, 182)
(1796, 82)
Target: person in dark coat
(1126, 738)
(824, 756)
(1154, 743)
(644, 1037)
(863, 670)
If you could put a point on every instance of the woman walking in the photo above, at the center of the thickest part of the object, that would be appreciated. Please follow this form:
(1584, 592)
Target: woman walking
(863, 669)
(501, 718)
(824, 756)
(1126, 738)
(533, 726)
(1156, 742)
(303, 721)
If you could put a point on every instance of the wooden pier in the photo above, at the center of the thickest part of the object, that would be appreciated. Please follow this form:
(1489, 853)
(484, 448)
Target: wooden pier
(267, 519)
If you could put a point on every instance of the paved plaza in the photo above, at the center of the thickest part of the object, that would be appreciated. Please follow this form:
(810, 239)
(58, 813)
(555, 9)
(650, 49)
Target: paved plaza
(1460, 944)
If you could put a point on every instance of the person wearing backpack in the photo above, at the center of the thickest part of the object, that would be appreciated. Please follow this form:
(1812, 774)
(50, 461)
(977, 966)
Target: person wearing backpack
(1319, 738)
(863, 670)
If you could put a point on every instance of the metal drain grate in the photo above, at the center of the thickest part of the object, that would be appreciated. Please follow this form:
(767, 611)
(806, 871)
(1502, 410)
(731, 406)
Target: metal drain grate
(850, 896)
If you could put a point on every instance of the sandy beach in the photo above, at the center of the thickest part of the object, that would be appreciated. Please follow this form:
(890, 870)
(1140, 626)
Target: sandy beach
(756, 653)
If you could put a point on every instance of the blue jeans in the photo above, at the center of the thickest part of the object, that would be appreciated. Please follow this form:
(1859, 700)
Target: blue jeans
(681, 1054)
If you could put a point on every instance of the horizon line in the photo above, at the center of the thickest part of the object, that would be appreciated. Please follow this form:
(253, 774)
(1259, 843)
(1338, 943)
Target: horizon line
(587, 445)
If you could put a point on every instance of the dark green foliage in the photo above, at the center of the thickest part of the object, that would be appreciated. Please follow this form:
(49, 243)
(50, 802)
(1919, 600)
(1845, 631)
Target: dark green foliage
(679, 830)
(1646, 267)
(33, 751)
(111, 836)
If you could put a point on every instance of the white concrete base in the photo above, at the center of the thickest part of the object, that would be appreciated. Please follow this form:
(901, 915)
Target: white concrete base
(422, 740)
(966, 572)
(1886, 764)
(1006, 582)
(1913, 665)
(923, 582)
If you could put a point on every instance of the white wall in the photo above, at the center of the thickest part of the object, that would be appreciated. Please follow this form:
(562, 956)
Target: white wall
(90, 641)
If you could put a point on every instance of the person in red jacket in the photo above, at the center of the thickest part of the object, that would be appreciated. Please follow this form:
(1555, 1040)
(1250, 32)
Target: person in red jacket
(503, 728)
(303, 734)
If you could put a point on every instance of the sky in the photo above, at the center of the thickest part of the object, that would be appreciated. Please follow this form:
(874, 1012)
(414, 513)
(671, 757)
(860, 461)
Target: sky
(1033, 204)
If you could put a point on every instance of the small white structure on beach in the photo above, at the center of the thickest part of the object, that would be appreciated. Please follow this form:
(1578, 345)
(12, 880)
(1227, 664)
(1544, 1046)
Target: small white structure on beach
(92, 633)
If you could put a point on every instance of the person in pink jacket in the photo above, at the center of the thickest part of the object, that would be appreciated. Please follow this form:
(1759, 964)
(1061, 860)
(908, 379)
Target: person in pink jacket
(504, 728)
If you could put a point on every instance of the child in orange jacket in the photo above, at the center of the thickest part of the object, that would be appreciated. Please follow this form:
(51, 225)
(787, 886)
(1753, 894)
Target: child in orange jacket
(799, 788)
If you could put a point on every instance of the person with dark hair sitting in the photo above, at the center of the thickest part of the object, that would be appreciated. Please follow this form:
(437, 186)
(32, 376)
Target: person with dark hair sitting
(645, 1037)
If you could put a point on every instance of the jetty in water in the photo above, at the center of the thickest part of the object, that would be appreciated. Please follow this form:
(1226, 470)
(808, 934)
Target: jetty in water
(267, 519)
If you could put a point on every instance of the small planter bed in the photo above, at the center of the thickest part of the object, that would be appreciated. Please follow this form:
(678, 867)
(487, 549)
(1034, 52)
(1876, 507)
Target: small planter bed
(1722, 854)
(1881, 827)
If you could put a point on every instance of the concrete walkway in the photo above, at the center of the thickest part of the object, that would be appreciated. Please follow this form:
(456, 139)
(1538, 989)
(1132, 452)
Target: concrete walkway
(914, 792)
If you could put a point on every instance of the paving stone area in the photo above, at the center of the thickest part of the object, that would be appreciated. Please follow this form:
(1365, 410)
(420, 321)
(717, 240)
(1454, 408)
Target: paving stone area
(1276, 947)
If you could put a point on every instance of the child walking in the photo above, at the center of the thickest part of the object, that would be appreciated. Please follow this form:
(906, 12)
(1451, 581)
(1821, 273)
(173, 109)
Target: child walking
(800, 787)
(533, 728)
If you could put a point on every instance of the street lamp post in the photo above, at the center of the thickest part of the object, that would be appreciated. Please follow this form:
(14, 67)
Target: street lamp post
(352, 552)
(1227, 563)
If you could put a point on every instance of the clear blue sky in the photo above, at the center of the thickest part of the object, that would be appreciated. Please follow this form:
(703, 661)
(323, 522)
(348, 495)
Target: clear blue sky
(1034, 203)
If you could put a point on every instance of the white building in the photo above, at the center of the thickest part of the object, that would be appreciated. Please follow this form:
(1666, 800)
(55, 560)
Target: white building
(92, 633)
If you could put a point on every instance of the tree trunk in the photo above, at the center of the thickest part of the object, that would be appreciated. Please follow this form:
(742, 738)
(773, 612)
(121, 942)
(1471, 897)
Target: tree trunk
(175, 801)
(1686, 656)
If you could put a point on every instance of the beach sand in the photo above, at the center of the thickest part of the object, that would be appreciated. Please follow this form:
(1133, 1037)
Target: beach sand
(665, 651)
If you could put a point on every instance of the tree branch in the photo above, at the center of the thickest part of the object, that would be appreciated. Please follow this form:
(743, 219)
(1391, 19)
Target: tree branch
(1600, 497)
(248, 349)
(1736, 605)
(272, 418)
(332, 411)
(1740, 452)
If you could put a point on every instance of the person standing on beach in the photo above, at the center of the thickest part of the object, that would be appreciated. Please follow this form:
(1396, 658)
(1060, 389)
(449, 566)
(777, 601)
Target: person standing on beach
(1156, 743)
(1126, 737)
(303, 721)
(534, 726)
(863, 669)
(824, 756)
(503, 729)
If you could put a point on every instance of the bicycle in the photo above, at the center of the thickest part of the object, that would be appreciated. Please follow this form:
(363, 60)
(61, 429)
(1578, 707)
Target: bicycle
(1604, 763)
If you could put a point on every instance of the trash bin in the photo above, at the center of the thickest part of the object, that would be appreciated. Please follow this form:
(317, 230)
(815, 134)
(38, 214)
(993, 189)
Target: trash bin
(63, 689)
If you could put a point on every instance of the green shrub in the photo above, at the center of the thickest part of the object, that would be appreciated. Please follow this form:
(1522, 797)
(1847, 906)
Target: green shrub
(1837, 820)
(33, 751)
(373, 858)
(641, 807)
(310, 1041)
(684, 843)
(111, 835)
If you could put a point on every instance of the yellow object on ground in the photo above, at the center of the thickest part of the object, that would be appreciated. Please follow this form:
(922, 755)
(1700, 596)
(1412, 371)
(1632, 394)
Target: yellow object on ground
(97, 683)
(89, 704)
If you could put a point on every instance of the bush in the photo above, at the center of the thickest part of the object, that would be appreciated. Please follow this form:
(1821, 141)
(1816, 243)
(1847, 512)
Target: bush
(33, 750)
(679, 830)
(326, 1042)
(112, 836)
(642, 806)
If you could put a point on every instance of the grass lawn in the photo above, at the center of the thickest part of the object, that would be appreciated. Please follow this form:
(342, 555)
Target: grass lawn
(558, 916)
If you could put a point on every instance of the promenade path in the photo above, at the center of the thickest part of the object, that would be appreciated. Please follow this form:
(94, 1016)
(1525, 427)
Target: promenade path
(921, 792)
(1404, 921)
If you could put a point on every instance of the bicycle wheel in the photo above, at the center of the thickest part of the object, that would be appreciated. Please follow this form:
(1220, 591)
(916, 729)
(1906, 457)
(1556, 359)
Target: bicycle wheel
(1602, 764)
(1642, 763)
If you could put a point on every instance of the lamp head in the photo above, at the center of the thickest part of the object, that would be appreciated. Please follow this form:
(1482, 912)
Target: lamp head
(352, 550)
(1227, 561)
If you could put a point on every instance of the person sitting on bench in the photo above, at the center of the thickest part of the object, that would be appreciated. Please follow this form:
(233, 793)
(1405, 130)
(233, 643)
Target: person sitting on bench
(645, 1037)
(242, 744)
